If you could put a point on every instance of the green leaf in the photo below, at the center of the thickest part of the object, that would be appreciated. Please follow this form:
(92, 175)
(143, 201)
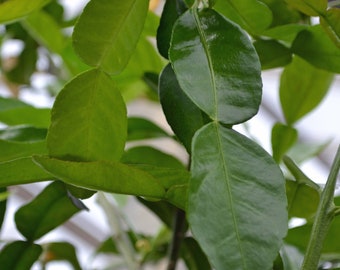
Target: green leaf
(286, 33)
(272, 54)
(23, 133)
(19, 255)
(103, 175)
(89, 120)
(16, 9)
(315, 46)
(303, 151)
(141, 129)
(61, 251)
(45, 30)
(4, 194)
(252, 15)
(283, 137)
(29, 172)
(107, 32)
(235, 184)
(331, 24)
(309, 7)
(51, 208)
(193, 255)
(184, 117)
(216, 66)
(302, 88)
(302, 199)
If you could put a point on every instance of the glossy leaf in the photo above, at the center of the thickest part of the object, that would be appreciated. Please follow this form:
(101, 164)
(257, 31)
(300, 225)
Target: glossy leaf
(315, 46)
(302, 88)
(16, 9)
(216, 66)
(184, 117)
(93, 128)
(283, 137)
(235, 184)
(51, 208)
(252, 15)
(23, 134)
(107, 32)
(309, 7)
(331, 23)
(272, 54)
(103, 175)
(141, 129)
(29, 172)
(19, 255)
(302, 199)
(12, 150)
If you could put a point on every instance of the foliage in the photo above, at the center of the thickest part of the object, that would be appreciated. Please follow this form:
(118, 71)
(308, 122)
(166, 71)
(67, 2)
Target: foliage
(234, 198)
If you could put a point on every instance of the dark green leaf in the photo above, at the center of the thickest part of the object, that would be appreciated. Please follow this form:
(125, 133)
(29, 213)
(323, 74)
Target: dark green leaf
(278, 263)
(88, 120)
(331, 23)
(141, 128)
(216, 66)
(283, 137)
(29, 172)
(315, 46)
(302, 88)
(309, 7)
(16, 9)
(235, 184)
(184, 117)
(107, 32)
(23, 134)
(51, 208)
(103, 175)
(193, 255)
(272, 54)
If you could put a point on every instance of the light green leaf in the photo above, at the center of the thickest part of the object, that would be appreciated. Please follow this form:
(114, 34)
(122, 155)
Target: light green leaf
(315, 46)
(254, 16)
(216, 66)
(107, 32)
(45, 30)
(309, 7)
(302, 151)
(237, 202)
(141, 129)
(23, 133)
(51, 208)
(283, 137)
(16, 9)
(29, 172)
(89, 120)
(302, 88)
(286, 33)
(103, 175)
(19, 255)
(331, 23)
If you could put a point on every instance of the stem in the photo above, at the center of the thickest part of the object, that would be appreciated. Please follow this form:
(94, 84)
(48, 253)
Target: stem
(178, 235)
(323, 219)
(119, 236)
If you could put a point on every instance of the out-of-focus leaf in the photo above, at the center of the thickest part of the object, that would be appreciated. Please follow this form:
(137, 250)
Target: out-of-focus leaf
(309, 7)
(302, 88)
(3, 204)
(10, 150)
(107, 32)
(315, 46)
(184, 117)
(29, 172)
(23, 133)
(61, 251)
(272, 54)
(304, 151)
(151, 79)
(51, 208)
(178, 195)
(103, 175)
(141, 129)
(331, 23)
(283, 137)
(16, 9)
(19, 255)
(278, 263)
(193, 255)
(235, 184)
(286, 33)
(93, 128)
(216, 66)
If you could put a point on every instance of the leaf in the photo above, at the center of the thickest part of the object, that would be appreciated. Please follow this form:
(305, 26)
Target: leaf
(12, 150)
(4, 194)
(103, 175)
(331, 24)
(216, 66)
(302, 88)
(272, 54)
(29, 172)
(304, 151)
(92, 128)
(184, 117)
(16, 9)
(252, 15)
(315, 46)
(309, 7)
(193, 255)
(107, 32)
(141, 128)
(283, 137)
(23, 134)
(237, 202)
(286, 33)
(51, 208)
(302, 199)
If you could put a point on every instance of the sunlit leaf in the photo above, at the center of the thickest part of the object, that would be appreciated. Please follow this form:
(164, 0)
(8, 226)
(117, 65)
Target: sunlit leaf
(216, 66)
(93, 128)
(283, 137)
(235, 184)
(309, 7)
(107, 32)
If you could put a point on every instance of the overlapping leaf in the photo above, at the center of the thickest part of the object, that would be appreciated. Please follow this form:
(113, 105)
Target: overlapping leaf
(141, 129)
(331, 23)
(309, 7)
